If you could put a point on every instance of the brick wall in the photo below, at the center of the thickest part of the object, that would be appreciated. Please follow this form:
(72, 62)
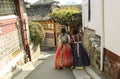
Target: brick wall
(9, 41)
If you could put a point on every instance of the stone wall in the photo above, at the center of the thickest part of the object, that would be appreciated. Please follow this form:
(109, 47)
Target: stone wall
(92, 44)
(111, 64)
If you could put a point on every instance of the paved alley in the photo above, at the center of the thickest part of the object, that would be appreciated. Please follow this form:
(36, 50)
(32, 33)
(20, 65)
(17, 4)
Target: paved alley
(46, 70)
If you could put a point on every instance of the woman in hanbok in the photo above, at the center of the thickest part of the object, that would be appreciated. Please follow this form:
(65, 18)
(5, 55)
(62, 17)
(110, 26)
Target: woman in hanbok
(63, 56)
(80, 57)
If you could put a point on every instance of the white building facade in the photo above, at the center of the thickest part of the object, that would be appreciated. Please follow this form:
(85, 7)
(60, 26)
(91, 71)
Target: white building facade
(103, 18)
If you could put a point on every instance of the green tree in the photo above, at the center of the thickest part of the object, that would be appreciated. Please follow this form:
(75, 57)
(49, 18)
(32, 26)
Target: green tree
(37, 33)
(66, 16)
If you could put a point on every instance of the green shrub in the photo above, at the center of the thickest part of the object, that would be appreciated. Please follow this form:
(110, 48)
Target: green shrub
(37, 33)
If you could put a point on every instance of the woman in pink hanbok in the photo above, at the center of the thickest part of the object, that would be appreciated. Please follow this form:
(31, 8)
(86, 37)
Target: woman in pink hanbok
(63, 56)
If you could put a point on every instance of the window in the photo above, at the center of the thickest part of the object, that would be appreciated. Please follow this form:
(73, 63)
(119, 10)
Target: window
(7, 7)
(48, 26)
(89, 12)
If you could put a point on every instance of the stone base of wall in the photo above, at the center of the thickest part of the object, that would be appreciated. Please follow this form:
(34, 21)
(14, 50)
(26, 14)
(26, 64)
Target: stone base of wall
(48, 42)
(111, 60)
(112, 64)
(19, 60)
(35, 52)
(16, 62)
(92, 44)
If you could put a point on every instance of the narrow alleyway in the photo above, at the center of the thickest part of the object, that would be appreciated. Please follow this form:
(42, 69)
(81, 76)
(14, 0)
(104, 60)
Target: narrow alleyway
(44, 69)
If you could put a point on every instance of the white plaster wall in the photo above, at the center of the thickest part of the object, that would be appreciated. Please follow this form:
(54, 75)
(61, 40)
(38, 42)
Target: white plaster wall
(91, 23)
(95, 22)
(85, 13)
(98, 16)
(112, 25)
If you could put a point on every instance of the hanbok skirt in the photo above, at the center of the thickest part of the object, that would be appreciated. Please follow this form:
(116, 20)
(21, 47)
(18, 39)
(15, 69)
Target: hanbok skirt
(63, 57)
(80, 56)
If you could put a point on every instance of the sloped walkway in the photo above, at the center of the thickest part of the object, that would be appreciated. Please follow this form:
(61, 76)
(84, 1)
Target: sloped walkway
(46, 70)
(43, 68)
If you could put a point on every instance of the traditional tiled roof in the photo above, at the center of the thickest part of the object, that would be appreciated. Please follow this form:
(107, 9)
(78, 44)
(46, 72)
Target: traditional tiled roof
(44, 3)
(40, 11)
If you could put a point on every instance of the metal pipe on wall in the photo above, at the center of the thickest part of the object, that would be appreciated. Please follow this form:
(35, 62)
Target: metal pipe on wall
(102, 37)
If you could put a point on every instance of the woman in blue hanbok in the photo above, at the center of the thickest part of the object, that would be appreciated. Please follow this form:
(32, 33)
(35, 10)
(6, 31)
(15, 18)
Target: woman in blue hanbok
(80, 57)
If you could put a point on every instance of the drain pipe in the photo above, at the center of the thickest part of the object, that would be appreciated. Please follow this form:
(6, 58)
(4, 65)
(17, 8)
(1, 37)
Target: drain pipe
(102, 39)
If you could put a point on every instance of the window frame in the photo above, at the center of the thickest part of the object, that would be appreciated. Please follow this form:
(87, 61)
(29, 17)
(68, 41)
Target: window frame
(89, 10)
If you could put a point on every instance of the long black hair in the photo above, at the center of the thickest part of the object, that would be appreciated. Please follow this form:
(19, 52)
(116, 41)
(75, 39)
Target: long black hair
(63, 30)
(75, 31)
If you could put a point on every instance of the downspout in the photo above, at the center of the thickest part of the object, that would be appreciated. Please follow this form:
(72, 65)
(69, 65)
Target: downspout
(102, 39)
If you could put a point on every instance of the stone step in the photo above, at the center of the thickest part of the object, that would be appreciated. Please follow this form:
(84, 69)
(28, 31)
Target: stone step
(80, 74)
(92, 73)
